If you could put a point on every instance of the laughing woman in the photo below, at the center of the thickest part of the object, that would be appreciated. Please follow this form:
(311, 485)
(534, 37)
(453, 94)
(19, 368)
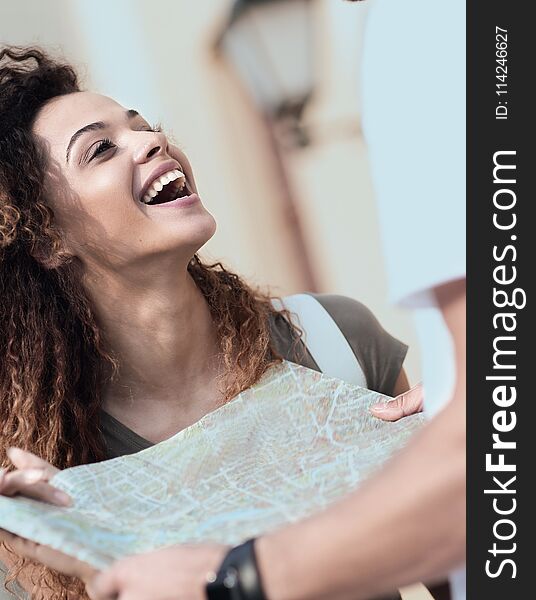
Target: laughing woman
(114, 334)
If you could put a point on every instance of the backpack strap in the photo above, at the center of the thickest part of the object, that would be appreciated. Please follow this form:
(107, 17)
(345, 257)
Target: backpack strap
(323, 338)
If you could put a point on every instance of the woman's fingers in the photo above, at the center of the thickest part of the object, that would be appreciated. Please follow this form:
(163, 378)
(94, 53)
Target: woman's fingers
(32, 483)
(54, 559)
(31, 479)
(26, 460)
(20, 545)
(408, 403)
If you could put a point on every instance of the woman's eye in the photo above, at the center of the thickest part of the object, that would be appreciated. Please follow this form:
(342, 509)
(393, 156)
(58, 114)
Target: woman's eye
(102, 147)
(106, 144)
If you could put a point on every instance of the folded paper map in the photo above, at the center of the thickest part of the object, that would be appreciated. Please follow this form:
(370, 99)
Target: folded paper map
(281, 450)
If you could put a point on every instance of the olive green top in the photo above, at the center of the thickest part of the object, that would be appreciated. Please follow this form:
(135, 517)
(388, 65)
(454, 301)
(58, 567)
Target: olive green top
(379, 354)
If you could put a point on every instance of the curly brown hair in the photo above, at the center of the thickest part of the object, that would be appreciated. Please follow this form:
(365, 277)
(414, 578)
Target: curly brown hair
(54, 359)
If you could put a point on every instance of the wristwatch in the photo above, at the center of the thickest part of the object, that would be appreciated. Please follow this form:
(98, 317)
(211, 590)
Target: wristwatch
(238, 577)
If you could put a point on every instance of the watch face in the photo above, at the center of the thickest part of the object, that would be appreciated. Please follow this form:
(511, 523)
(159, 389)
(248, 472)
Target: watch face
(230, 581)
(217, 591)
(225, 586)
(237, 578)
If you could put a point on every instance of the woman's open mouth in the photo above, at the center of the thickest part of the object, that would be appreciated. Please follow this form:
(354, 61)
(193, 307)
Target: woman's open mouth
(166, 188)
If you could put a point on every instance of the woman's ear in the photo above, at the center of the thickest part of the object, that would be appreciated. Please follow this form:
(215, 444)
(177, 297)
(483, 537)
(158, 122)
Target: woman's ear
(47, 245)
(51, 253)
(9, 219)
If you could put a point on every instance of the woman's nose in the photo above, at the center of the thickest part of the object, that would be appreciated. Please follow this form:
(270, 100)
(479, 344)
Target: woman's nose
(157, 144)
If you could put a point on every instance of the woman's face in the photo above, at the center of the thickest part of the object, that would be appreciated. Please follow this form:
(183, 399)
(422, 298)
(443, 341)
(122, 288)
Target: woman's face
(96, 186)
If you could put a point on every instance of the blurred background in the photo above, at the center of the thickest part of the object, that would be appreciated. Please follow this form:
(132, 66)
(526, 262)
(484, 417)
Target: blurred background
(264, 98)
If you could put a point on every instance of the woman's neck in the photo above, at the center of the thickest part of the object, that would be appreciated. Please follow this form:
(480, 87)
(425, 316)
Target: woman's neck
(166, 343)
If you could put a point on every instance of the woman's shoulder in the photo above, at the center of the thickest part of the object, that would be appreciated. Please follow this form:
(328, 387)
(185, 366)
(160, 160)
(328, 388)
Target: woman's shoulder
(351, 315)
(380, 354)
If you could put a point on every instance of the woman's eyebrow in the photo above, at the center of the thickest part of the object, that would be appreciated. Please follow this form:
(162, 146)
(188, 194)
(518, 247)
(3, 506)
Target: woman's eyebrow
(130, 113)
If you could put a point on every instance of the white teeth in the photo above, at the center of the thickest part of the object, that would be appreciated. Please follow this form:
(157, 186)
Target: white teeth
(163, 180)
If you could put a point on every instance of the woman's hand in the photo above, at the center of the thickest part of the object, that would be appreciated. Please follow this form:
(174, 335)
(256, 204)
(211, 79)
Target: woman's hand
(53, 559)
(174, 573)
(408, 403)
(31, 479)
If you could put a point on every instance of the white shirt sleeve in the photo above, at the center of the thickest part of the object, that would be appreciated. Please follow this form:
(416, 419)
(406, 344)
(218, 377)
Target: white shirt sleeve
(414, 122)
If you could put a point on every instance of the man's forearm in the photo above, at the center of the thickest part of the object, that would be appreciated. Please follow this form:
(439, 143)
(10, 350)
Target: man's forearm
(406, 524)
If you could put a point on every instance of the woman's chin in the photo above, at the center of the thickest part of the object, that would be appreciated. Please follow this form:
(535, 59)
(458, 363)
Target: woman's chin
(195, 228)
(185, 239)
(174, 239)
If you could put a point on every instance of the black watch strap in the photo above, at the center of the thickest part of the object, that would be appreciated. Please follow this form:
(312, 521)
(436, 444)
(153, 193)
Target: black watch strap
(238, 577)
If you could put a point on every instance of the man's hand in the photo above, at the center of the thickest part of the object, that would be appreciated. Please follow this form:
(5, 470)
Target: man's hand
(174, 573)
(31, 479)
(408, 403)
